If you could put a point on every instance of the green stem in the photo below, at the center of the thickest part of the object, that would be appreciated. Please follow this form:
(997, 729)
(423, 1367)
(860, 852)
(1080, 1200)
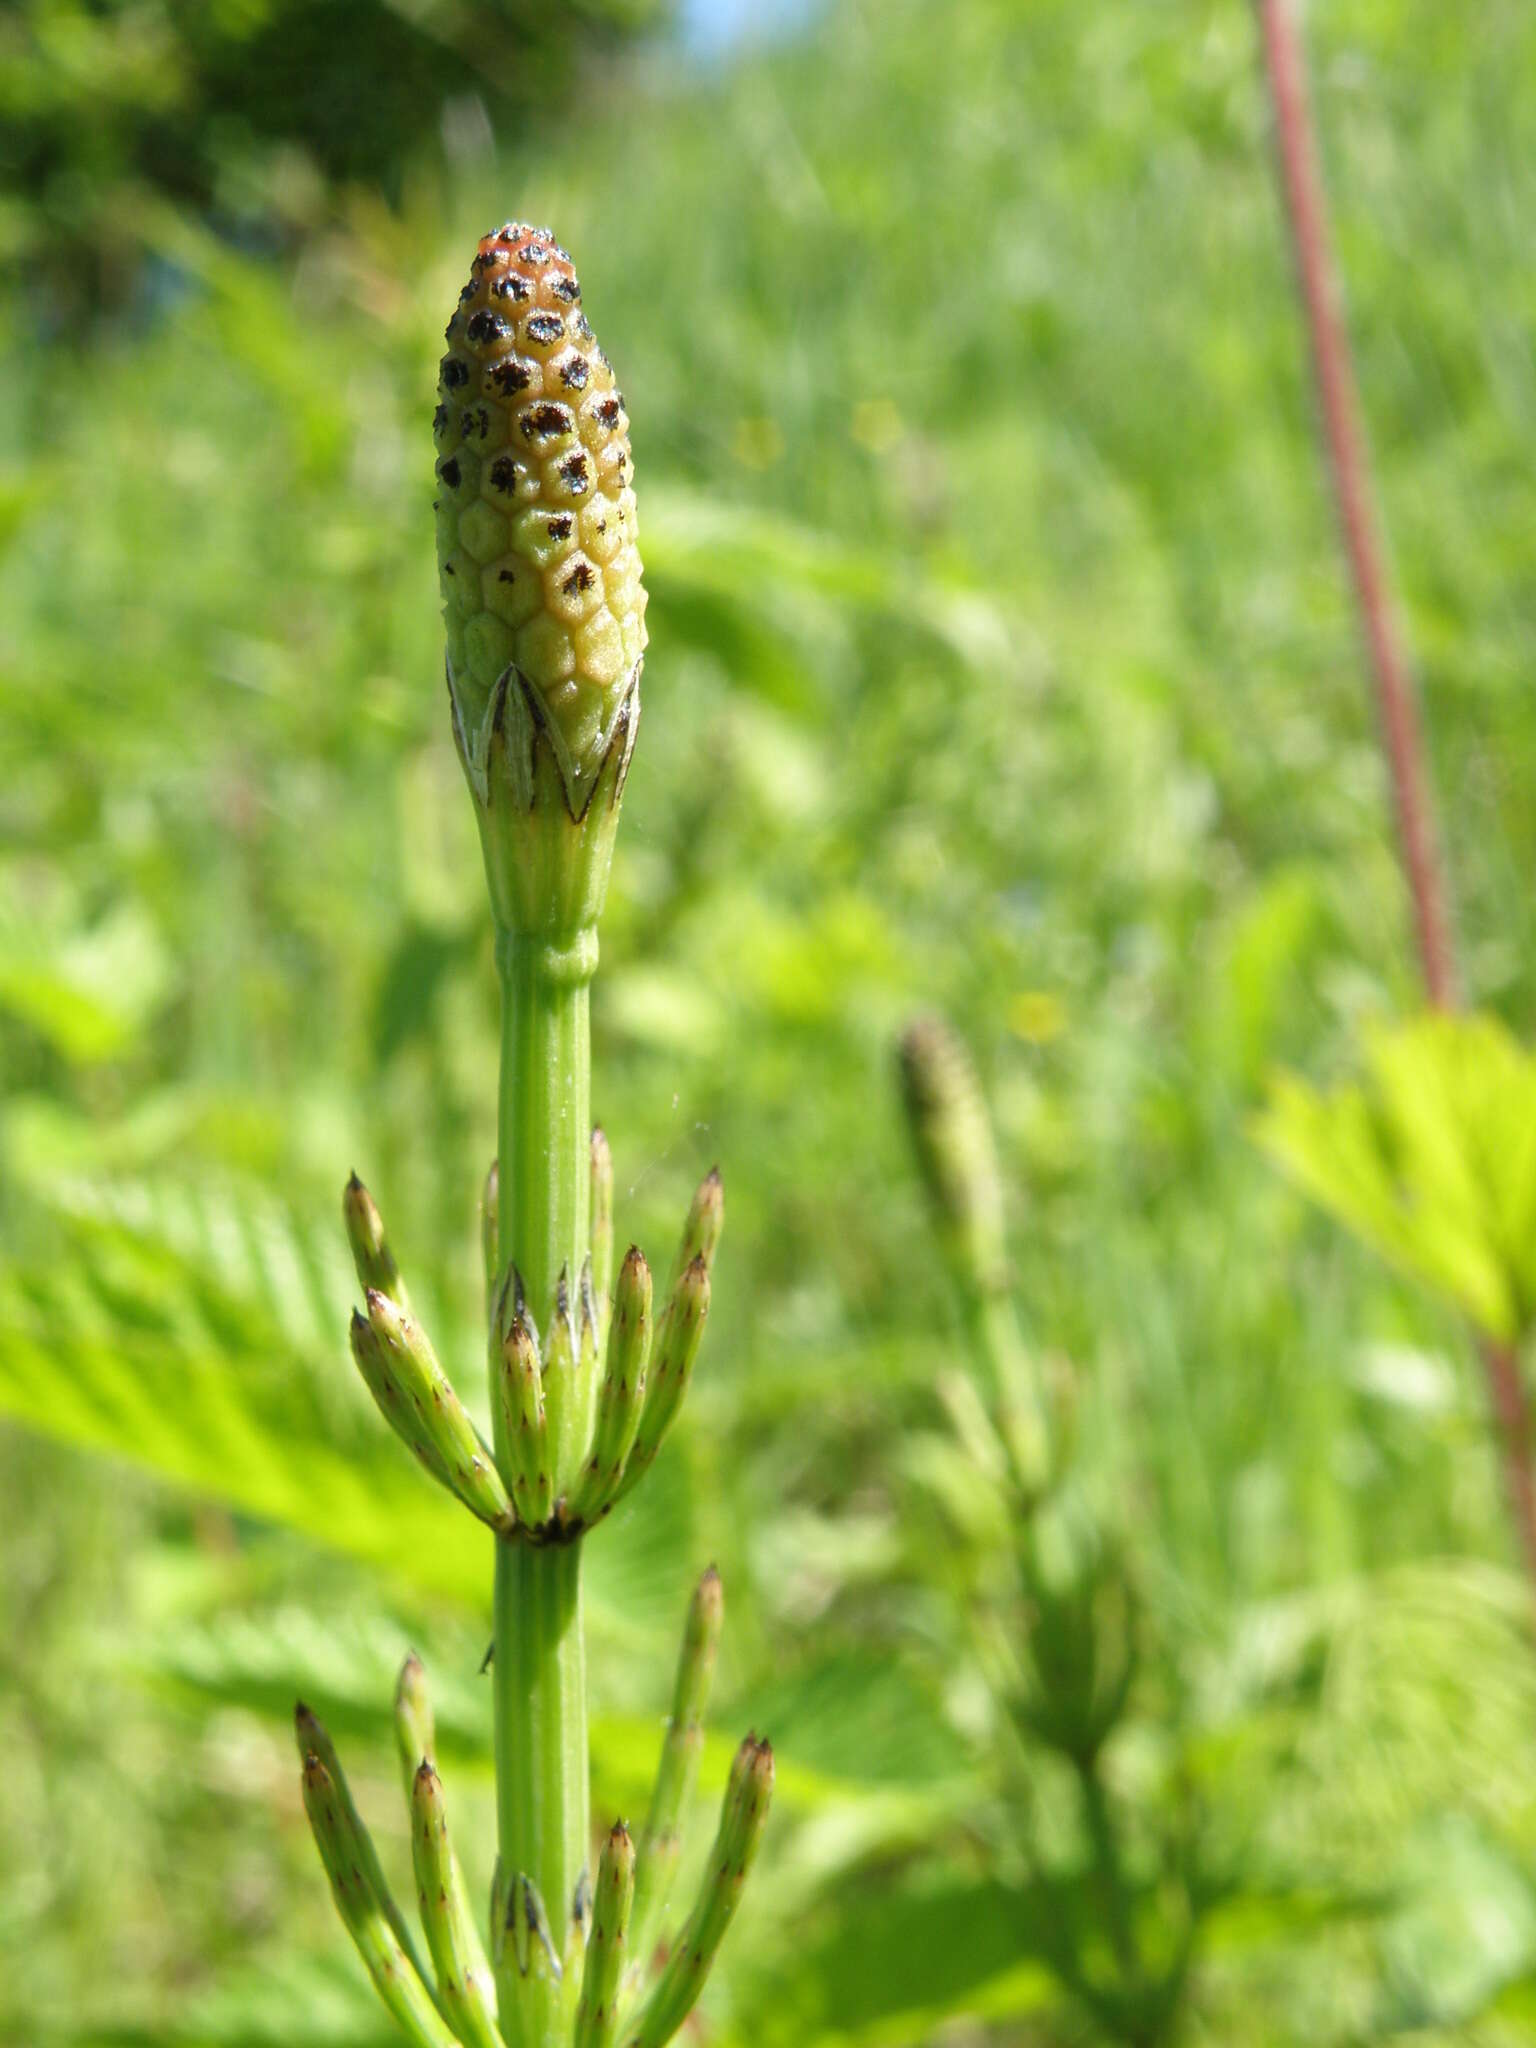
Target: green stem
(544, 1123)
(1107, 1868)
(996, 1339)
(541, 1774)
(539, 1665)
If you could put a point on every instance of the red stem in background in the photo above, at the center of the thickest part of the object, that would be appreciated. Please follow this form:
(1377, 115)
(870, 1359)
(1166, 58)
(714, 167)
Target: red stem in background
(1317, 275)
(1349, 463)
(1507, 1392)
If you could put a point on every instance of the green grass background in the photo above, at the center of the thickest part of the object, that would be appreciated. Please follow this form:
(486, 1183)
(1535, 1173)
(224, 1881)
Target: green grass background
(1000, 663)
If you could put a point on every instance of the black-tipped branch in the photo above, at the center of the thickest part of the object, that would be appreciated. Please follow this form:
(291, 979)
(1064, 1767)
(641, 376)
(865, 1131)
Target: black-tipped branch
(415, 1733)
(621, 1398)
(458, 1955)
(672, 1357)
(701, 1230)
(416, 1741)
(678, 1769)
(371, 1255)
(415, 1397)
(602, 1979)
(390, 1398)
(683, 1976)
(395, 1976)
(525, 1430)
(364, 1892)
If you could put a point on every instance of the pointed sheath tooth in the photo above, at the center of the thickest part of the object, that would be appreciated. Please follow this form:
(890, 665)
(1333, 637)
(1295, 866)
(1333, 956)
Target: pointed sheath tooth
(395, 1976)
(742, 1819)
(701, 1231)
(371, 1255)
(507, 1302)
(678, 1769)
(528, 1928)
(415, 1733)
(345, 1825)
(587, 1378)
(602, 1222)
(490, 1223)
(671, 1366)
(499, 1921)
(562, 1392)
(458, 1956)
(436, 1414)
(579, 1931)
(525, 1433)
(608, 1945)
(520, 1936)
(621, 1398)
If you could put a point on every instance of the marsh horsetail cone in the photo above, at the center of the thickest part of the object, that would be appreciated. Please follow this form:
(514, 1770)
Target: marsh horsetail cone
(955, 1153)
(535, 510)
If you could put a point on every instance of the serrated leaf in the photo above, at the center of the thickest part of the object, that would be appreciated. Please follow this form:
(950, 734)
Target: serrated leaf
(192, 1341)
(1430, 1158)
(199, 1332)
(861, 1719)
(892, 1962)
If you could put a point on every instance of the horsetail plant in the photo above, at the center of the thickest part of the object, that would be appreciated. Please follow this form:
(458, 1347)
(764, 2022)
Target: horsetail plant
(544, 614)
(952, 1140)
(1046, 1595)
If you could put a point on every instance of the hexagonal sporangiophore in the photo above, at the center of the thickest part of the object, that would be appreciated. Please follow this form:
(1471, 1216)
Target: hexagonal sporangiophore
(536, 528)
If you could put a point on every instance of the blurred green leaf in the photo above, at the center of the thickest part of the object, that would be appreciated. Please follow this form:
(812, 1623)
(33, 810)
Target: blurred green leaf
(190, 1330)
(1464, 1929)
(1431, 1159)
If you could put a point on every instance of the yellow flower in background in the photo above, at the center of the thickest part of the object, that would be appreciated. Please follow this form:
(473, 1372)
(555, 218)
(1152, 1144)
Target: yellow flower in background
(1036, 1015)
